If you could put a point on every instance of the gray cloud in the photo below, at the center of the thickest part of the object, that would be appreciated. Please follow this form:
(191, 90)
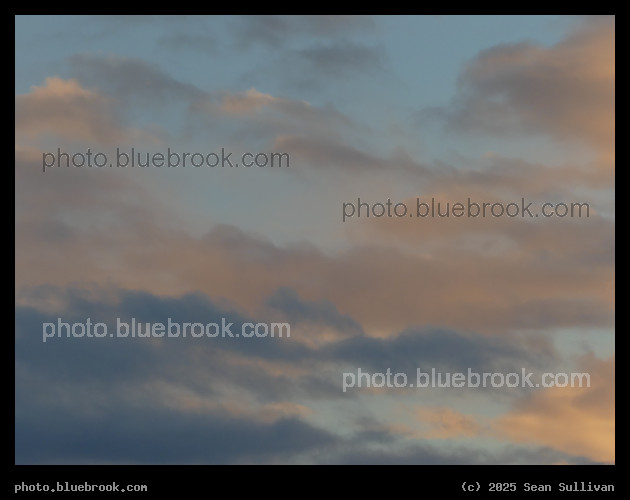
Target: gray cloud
(282, 30)
(131, 79)
(566, 91)
(129, 436)
(341, 58)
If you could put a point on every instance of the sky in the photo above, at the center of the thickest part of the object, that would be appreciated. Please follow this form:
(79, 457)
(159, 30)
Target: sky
(496, 109)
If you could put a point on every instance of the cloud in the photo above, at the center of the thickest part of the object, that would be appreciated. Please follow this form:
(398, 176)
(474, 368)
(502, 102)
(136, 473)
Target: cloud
(426, 454)
(570, 242)
(383, 287)
(334, 154)
(258, 116)
(143, 85)
(133, 80)
(578, 421)
(445, 423)
(566, 91)
(185, 42)
(278, 31)
(432, 347)
(251, 101)
(121, 436)
(63, 109)
(341, 58)
(484, 294)
(428, 345)
(316, 314)
(106, 399)
(306, 50)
